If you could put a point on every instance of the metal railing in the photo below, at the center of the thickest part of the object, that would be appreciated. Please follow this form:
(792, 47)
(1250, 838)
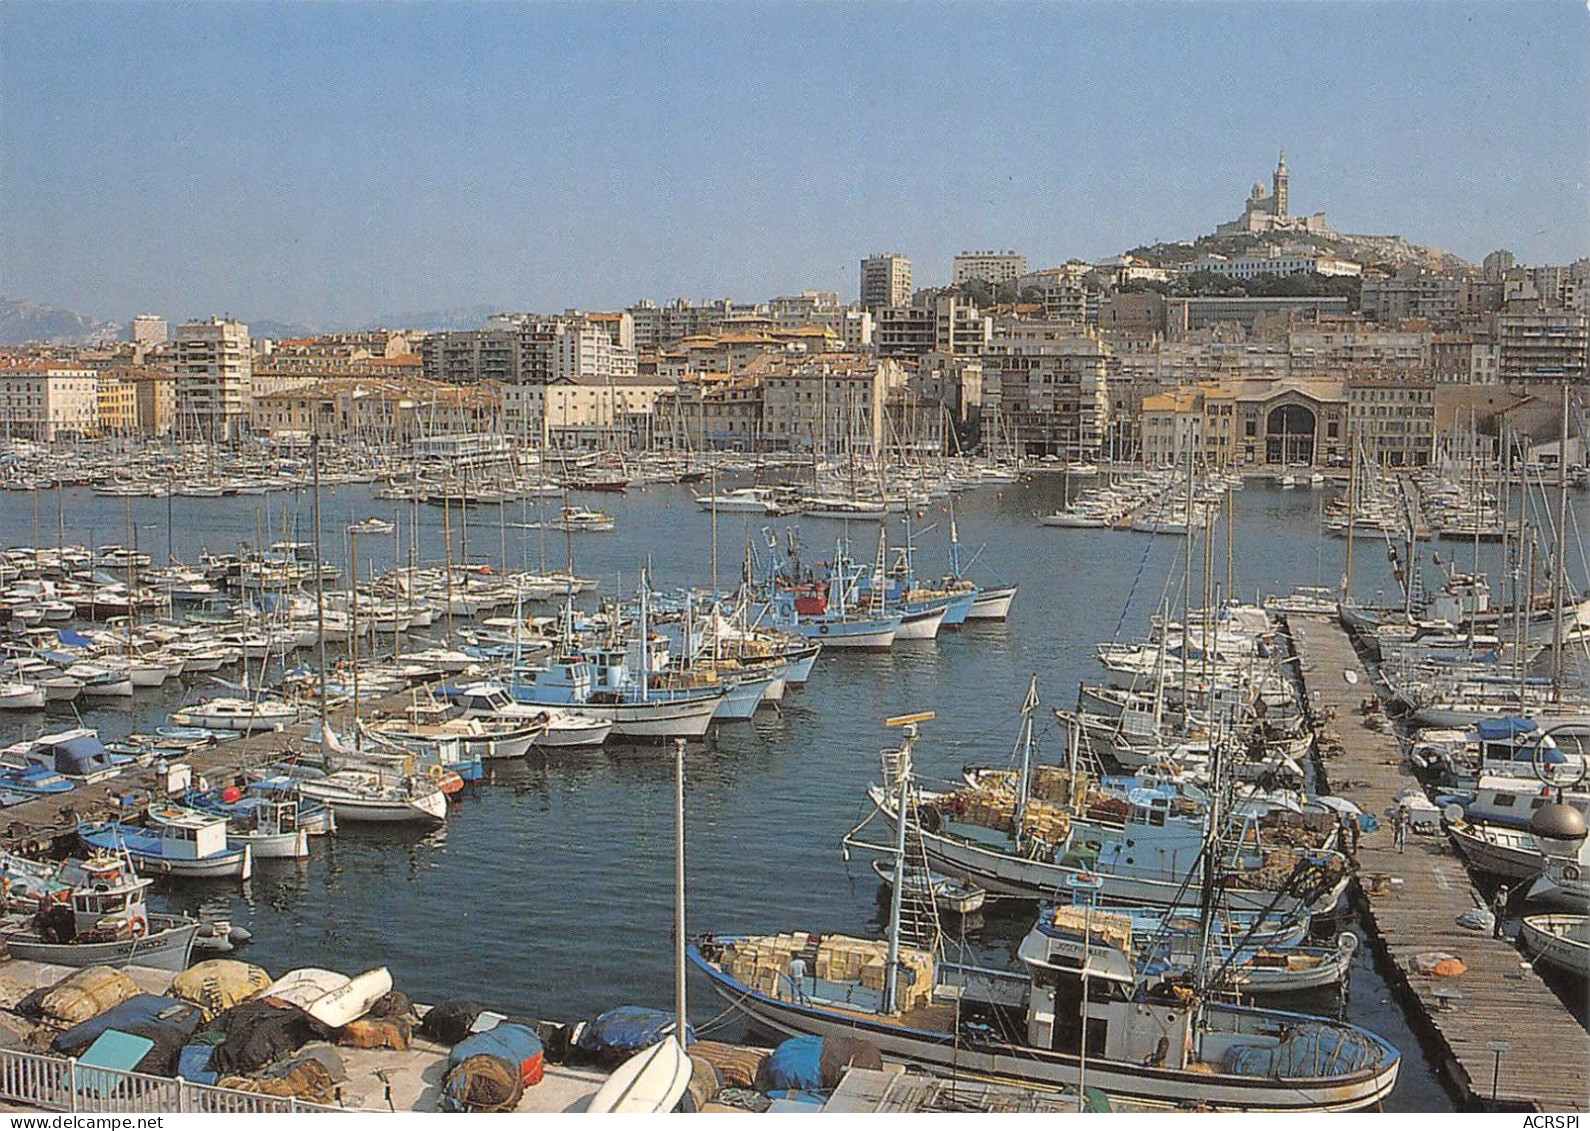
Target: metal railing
(54, 1083)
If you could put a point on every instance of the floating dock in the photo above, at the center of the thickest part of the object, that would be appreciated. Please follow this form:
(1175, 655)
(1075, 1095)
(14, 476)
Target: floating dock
(1411, 901)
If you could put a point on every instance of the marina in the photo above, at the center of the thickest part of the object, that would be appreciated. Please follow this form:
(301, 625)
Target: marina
(535, 795)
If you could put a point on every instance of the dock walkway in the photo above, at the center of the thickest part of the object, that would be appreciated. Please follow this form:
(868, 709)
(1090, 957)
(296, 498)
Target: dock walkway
(1412, 900)
(47, 821)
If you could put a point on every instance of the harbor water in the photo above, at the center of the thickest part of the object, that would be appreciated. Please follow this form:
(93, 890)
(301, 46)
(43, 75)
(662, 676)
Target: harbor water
(549, 892)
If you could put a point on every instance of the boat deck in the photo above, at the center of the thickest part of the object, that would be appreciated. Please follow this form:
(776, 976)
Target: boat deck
(1411, 902)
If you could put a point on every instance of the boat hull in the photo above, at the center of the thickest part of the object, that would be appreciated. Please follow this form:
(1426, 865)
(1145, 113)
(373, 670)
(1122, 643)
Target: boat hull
(168, 947)
(992, 604)
(942, 1053)
(1549, 939)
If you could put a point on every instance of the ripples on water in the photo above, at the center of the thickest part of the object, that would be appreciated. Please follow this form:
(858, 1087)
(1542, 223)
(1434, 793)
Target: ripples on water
(550, 892)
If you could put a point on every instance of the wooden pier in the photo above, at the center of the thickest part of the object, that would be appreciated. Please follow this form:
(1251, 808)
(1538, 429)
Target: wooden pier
(48, 822)
(1411, 901)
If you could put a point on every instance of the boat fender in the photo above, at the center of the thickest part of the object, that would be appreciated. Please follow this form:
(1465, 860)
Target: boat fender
(929, 818)
(1347, 942)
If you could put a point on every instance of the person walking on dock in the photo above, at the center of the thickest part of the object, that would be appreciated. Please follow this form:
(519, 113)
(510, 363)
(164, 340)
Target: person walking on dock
(1399, 828)
(1499, 912)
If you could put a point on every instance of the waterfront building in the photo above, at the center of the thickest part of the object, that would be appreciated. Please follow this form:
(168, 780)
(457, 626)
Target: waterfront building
(954, 381)
(1049, 389)
(212, 364)
(1537, 346)
(833, 403)
(115, 405)
(991, 267)
(1393, 421)
(595, 411)
(47, 402)
(885, 281)
(376, 411)
(709, 411)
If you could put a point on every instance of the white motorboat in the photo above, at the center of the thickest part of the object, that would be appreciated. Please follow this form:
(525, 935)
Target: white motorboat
(369, 797)
(19, 696)
(244, 715)
(563, 728)
(992, 603)
(743, 500)
(1513, 854)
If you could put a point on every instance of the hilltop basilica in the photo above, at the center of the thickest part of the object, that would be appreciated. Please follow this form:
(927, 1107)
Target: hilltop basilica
(1267, 211)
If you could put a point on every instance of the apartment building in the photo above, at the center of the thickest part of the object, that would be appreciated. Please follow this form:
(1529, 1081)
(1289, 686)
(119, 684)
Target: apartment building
(212, 364)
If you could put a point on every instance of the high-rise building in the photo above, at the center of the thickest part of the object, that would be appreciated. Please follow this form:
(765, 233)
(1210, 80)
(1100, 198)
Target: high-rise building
(885, 281)
(148, 331)
(992, 267)
(1496, 265)
(212, 365)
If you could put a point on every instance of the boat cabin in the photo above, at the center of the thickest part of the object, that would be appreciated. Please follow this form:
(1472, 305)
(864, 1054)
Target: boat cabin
(76, 754)
(1076, 953)
(189, 835)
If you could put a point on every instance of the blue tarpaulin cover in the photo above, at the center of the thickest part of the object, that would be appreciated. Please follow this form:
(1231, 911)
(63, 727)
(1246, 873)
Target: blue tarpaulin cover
(796, 1065)
(1500, 730)
(629, 1028)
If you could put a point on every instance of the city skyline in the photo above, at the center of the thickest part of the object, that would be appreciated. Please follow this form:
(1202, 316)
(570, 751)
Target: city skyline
(331, 164)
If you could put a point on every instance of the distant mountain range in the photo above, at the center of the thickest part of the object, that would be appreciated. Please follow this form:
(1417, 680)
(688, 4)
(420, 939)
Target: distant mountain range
(22, 320)
(25, 321)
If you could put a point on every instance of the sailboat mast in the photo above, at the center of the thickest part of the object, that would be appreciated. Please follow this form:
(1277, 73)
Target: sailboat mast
(1559, 567)
(679, 890)
(320, 593)
(891, 983)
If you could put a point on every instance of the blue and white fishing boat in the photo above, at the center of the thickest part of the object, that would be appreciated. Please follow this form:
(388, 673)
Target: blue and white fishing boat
(33, 780)
(614, 682)
(190, 844)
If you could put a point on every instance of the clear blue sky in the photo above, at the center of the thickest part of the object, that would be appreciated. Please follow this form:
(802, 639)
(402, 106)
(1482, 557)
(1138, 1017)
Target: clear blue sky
(334, 162)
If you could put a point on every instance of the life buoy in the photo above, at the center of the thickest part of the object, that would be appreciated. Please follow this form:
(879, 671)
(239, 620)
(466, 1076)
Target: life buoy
(1570, 871)
(437, 772)
(140, 928)
(823, 628)
(929, 818)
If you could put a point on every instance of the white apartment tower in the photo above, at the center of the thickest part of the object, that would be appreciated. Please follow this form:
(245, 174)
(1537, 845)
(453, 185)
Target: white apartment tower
(213, 367)
(885, 281)
(148, 331)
